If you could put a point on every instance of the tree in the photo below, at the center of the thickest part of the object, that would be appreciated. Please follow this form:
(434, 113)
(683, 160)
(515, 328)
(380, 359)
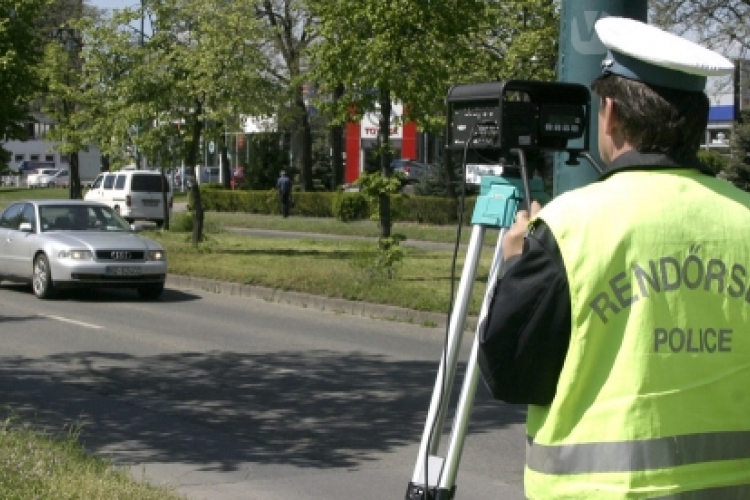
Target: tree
(720, 24)
(412, 52)
(738, 171)
(21, 49)
(386, 51)
(61, 96)
(288, 29)
(202, 62)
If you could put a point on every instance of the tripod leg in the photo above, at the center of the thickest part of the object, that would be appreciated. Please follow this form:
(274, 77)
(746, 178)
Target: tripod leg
(447, 369)
(468, 390)
(425, 476)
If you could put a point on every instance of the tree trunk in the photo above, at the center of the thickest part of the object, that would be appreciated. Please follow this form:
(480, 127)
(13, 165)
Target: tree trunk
(75, 178)
(306, 153)
(164, 197)
(337, 147)
(192, 163)
(226, 170)
(453, 186)
(384, 99)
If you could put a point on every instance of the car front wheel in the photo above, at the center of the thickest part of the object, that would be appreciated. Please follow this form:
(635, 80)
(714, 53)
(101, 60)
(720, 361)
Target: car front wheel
(42, 279)
(151, 291)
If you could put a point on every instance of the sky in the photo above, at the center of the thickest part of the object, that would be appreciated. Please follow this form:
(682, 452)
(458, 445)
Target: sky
(113, 4)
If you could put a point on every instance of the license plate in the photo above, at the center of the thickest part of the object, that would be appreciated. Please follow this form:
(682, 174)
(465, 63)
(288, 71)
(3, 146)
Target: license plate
(123, 271)
(151, 203)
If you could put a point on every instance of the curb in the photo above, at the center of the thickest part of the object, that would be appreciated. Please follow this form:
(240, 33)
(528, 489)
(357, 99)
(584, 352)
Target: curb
(337, 306)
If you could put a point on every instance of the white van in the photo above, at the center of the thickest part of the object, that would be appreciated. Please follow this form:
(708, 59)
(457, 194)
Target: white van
(134, 194)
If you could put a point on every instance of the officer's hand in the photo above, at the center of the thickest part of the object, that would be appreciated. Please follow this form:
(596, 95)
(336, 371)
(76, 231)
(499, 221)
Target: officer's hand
(513, 240)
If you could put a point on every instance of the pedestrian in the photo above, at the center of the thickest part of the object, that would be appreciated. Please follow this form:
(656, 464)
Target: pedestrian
(622, 318)
(284, 187)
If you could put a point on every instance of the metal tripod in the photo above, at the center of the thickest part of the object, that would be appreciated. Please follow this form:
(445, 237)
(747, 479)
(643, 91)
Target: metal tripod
(495, 209)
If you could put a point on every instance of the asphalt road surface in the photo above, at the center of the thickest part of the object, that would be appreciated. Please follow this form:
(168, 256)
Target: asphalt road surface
(238, 398)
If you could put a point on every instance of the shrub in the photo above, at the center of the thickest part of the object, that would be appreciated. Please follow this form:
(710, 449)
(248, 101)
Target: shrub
(350, 206)
(343, 206)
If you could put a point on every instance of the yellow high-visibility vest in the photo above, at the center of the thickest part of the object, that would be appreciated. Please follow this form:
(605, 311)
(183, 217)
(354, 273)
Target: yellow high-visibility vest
(653, 400)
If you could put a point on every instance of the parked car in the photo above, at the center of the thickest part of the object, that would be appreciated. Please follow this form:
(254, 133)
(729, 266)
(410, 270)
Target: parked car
(60, 179)
(133, 194)
(412, 171)
(209, 175)
(40, 177)
(59, 244)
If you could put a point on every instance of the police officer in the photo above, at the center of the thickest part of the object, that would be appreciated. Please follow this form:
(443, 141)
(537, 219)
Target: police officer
(623, 316)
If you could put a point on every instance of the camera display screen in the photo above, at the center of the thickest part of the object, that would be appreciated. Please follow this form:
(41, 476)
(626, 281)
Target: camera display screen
(561, 121)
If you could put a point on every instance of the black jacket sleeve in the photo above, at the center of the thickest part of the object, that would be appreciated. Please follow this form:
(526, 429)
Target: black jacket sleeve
(524, 340)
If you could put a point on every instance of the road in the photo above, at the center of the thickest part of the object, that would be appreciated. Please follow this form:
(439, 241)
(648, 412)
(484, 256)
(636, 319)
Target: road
(238, 398)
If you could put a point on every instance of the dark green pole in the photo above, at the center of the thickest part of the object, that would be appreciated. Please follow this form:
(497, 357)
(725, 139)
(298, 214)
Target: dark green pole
(581, 54)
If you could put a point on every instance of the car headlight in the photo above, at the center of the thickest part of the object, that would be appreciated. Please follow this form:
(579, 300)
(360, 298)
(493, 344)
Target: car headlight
(156, 255)
(76, 254)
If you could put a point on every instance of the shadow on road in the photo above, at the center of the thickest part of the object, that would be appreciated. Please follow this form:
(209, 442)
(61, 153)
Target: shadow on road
(316, 409)
(104, 294)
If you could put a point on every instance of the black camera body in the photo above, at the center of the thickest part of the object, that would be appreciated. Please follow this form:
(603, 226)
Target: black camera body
(518, 114)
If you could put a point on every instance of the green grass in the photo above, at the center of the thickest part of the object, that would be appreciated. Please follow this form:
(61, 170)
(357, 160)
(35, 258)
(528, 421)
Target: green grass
(340, 269)
(36, 465)
(11, 194)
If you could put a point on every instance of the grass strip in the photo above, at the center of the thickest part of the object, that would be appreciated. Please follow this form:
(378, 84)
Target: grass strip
(345, 269)
(36, 465)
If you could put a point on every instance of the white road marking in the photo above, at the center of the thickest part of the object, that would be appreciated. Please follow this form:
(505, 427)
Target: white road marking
(66, 320)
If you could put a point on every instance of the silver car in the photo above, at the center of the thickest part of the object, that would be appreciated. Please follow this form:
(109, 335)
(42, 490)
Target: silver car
(57, 244)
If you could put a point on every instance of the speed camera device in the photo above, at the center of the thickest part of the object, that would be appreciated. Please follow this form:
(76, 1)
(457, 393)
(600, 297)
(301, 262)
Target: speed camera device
(518, 114)
(508, 132)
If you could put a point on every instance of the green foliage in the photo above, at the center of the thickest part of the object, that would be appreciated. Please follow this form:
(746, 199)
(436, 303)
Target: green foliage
(374, 185)
(518, 39)
(374, 45)
(420, 209)
(738, 170)
(424, 209)
(191, 70)
(715, 161)
(380, 264)
(182, 222)
(21, 50)
(266, 158)
(350, 206)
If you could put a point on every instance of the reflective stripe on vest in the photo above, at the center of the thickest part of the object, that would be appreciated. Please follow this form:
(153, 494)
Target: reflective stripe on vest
(641, 455)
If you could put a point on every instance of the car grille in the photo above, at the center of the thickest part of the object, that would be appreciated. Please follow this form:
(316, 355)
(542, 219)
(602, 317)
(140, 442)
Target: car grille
(120, 255)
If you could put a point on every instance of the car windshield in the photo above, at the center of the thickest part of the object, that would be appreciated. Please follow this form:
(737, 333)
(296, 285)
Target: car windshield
(80, 218)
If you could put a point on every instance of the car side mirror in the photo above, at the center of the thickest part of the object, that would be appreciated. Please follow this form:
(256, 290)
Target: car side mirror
(26, 227)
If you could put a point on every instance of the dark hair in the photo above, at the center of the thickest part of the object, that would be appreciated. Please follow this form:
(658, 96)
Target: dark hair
(657, 119)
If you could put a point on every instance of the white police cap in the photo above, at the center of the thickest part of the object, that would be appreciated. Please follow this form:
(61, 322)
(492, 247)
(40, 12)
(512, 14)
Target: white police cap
(645, 53)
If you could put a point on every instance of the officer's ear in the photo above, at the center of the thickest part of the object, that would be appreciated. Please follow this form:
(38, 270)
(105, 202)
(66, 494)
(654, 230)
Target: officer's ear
(609, 115)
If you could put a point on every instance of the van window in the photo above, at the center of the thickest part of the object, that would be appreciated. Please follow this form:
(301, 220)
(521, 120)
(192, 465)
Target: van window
(120, 182)
(97, 182)
(108, 181)
(149, 183)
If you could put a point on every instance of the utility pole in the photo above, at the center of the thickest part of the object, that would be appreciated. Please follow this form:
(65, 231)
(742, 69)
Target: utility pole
(581, 54)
